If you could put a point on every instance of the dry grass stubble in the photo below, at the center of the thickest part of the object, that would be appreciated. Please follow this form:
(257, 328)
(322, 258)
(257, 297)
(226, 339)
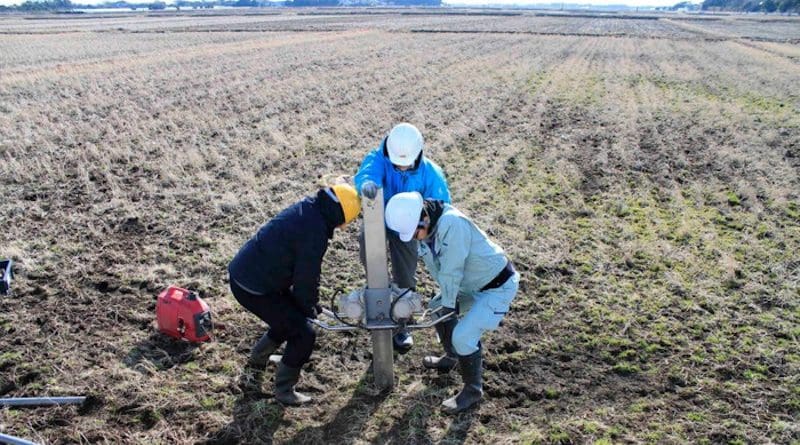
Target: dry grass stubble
(646, 189)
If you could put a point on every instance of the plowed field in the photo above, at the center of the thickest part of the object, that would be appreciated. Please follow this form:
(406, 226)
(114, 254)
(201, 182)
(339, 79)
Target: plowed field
(641, 171)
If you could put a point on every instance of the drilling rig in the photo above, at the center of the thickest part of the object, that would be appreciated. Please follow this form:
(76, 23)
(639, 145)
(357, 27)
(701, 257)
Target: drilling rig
(379, 308)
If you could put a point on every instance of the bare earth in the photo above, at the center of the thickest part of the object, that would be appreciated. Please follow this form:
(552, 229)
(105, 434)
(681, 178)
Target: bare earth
(641, 170)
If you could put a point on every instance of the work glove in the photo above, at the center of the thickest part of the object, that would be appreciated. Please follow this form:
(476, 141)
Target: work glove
(313, 311)
(369, 190)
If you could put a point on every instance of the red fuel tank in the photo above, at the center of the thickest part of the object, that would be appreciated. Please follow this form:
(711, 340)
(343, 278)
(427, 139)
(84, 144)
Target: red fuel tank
(182, 314)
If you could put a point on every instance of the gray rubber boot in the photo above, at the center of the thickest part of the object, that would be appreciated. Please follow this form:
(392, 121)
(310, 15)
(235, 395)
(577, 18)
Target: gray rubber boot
(472, 393)
(261, 352)
(449, 360)
(285, 379)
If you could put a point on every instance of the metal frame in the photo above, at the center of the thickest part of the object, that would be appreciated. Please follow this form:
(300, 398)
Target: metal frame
(348, 328)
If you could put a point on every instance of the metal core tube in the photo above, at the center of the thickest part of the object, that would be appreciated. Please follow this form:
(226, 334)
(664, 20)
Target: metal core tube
(377, 296)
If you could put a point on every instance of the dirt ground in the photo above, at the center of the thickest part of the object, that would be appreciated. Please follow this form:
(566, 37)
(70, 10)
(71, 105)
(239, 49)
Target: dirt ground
(640, 170)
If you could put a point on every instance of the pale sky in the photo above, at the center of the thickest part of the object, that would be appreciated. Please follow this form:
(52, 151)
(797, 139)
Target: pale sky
(462, 2)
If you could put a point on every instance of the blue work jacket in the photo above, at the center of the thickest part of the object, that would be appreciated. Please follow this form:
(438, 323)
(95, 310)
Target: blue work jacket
(424, 177)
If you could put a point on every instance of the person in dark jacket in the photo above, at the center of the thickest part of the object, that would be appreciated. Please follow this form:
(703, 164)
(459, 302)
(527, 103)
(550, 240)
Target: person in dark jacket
(276, 276)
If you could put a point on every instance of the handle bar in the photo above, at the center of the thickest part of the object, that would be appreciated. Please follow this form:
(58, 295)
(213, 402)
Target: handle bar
(347, 328)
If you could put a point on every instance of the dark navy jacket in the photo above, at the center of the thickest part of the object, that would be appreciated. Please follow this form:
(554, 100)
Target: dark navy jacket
(285, 256)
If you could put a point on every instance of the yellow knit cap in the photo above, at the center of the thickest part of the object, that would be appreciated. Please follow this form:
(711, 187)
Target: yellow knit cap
(348, 198)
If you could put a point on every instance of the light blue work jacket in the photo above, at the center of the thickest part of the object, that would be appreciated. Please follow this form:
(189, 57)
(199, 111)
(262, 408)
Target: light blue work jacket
(460, 256)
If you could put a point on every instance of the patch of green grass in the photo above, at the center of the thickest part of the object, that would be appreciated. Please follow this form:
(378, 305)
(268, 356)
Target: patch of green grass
(733, 199)
(626, 368)
(638, 407)
(532, 437)
(793, 210)
(654, 436)
(10, 356)
(695, 417)
(535, 81)
(752, 374)
(551, 393)
(208, 403)
(761, 104)
(627, 354)
(557, 435)
(591, 427)
(191, 366)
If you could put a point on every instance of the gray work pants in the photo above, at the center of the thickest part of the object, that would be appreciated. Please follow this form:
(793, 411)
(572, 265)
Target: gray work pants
(403, 257)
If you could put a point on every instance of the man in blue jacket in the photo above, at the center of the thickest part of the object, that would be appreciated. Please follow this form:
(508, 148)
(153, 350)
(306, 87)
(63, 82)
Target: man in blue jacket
(474, 275)
(398, 165)
(275, 275)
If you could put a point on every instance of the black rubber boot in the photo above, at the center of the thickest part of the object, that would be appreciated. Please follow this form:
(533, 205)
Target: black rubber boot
(261, 352)
(472, 393)
(402, 342)
(449, 360)
(285, 379)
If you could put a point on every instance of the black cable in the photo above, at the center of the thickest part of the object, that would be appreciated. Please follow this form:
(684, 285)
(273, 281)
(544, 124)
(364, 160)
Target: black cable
(391, 307)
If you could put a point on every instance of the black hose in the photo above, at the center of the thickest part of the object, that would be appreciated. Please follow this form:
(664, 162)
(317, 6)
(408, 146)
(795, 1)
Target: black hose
(391, 307)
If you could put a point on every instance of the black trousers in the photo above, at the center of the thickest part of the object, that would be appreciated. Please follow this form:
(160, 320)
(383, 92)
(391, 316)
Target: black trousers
(286, 323)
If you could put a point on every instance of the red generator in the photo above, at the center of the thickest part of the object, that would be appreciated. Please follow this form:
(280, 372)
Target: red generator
(183, 315)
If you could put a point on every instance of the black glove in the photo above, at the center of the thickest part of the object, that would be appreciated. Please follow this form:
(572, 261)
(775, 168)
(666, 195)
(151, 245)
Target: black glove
(369, 190)
(313, 311)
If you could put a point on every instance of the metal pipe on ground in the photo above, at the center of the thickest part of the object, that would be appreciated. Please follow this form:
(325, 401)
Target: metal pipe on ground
(11, 440)
(41, 401)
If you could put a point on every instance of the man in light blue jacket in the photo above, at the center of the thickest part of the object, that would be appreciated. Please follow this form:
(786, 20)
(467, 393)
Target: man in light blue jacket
(470, 270)
(398, 165)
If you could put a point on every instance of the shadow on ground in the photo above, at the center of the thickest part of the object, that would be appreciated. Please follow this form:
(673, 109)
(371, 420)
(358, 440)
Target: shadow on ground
(256, 415)
(348, 423)
(412, 426)
(159, 352)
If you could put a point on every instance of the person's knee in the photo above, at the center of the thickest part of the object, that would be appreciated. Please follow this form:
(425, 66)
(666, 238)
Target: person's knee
(299, 346)
(306, 337)
(464, 341)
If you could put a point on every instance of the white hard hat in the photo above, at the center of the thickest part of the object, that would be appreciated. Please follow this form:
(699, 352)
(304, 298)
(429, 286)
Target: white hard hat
(404, 144)
(402, 214)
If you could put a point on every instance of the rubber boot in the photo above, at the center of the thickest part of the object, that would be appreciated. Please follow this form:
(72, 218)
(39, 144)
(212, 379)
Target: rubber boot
(285, 379)
(472, 393)
(449, 360)
(261, 352)
(402, 342)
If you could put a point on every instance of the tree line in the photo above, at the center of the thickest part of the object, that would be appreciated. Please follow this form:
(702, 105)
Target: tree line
(67, 5)
(782, 6)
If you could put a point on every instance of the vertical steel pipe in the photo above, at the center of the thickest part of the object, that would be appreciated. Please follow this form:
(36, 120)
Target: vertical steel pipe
(377, 297)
